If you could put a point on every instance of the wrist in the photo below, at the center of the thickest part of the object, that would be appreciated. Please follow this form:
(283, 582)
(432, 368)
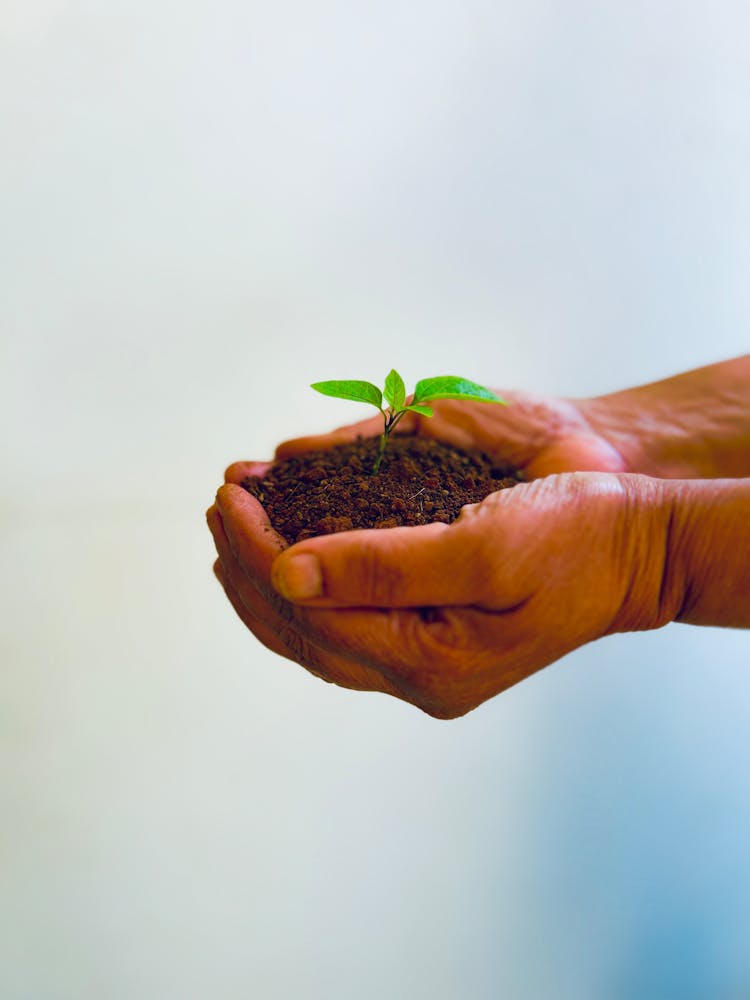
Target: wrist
(684, 547)
(651, 439)
(692, 426)
(650, 597)
(707, 569)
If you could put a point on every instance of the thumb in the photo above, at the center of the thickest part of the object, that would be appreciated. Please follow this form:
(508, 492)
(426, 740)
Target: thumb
(435, 564)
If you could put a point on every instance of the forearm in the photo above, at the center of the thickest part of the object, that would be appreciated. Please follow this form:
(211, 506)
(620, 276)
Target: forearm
(706, 578)
(695, 425)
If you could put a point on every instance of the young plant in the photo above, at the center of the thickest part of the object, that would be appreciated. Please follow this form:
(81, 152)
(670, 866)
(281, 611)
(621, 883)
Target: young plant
(427, 390)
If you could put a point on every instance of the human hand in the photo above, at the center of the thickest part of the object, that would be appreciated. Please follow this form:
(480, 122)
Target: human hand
(694, 425)
(536, 435)
(447, 616)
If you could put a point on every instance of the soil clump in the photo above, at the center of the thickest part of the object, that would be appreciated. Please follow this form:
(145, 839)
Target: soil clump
(419, 481)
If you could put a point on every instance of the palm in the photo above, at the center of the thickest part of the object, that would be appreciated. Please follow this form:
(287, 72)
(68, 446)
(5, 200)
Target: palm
(538, 435)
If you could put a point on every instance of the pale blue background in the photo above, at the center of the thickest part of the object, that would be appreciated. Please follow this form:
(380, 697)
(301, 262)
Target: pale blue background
(205, 207)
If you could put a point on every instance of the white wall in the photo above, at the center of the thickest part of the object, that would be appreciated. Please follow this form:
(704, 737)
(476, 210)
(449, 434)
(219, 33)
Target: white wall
(205, 207)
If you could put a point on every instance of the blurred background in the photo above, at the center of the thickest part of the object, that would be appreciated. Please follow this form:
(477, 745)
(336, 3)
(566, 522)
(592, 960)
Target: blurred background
(206, 207)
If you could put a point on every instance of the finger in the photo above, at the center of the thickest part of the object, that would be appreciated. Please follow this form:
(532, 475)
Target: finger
(343, 435)
(263, 632)
(435, 564)
(266, 635)
(576, 452)
(272, 622)
(436, 661)
(254, 591)
(440, 662)
(253, 541)
(238, 471)
(513, 435)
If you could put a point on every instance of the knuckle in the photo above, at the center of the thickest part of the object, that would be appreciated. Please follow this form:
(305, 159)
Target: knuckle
(378, 585)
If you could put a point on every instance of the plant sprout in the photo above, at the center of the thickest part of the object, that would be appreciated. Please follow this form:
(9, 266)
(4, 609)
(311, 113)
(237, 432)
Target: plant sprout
(427, 390)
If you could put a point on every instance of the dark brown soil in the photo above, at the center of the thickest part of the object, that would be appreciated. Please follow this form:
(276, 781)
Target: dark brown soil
(420, 480)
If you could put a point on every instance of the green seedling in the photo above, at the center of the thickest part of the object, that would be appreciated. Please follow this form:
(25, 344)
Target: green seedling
(427, 390)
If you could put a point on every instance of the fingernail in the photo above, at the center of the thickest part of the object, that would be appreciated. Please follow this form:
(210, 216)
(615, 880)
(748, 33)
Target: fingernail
(299, 577)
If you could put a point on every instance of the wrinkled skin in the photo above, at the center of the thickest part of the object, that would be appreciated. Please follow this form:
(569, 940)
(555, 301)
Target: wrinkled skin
(447, 616)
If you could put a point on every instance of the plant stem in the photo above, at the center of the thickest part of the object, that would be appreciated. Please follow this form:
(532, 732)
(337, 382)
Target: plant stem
(390, 419)
(381, 452)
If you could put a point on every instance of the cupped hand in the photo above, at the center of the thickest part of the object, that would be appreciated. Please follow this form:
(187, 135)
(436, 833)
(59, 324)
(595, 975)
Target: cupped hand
(447, 616)
(536, 435)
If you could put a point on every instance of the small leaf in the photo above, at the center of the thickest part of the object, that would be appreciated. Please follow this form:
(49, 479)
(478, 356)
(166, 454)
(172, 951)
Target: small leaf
(452, 387)
(360, 392)
(425, 411)
(395, 390)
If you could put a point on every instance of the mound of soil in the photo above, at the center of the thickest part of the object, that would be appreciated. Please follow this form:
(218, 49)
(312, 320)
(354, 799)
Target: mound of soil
(420, 480)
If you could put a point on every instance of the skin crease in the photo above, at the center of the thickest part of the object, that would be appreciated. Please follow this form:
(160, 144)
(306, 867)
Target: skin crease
(447, 616)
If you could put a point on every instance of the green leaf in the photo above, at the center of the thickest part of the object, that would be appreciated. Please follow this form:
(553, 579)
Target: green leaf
(395, 390)
(453, 387)
(360, 392)
(426, 411)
